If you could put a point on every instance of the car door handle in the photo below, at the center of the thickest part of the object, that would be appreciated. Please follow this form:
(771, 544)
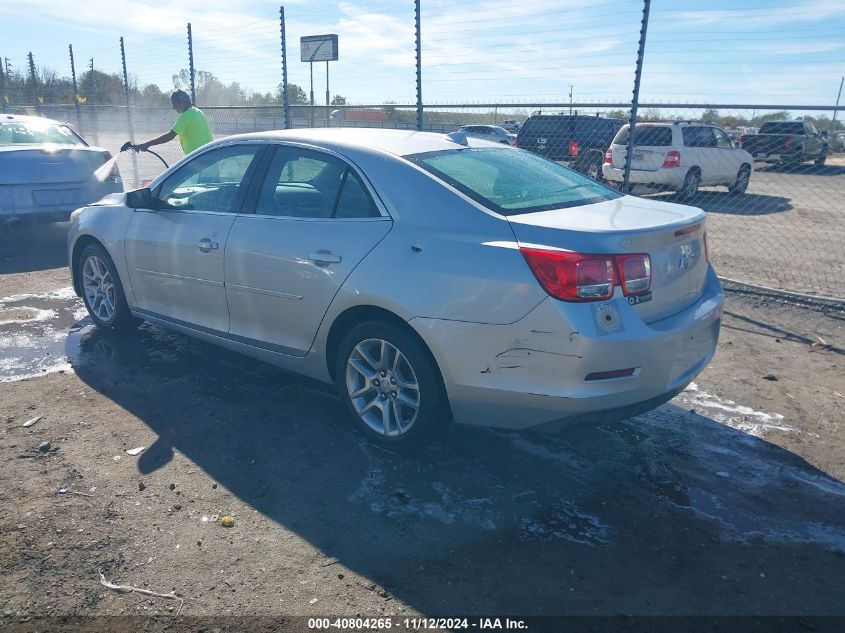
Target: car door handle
(324, 257)
(206, 244)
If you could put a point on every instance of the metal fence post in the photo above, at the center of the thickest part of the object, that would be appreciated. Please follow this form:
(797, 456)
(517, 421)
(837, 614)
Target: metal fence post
(75, 91)
(3, 82)
(836, 107)
(191, 65)
(285, 99)
(34, 84)
(636, 98)
(419, 66)
(129, 113)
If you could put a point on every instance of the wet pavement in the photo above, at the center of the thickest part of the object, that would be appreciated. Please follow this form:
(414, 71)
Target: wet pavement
(596, 518)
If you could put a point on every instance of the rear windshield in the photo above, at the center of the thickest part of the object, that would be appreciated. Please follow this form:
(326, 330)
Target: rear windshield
(646, 135)
(512, 181)
(782, 127)
(36, 133)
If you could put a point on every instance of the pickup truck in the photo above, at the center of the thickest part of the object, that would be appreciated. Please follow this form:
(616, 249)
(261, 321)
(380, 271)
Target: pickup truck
(787, 142)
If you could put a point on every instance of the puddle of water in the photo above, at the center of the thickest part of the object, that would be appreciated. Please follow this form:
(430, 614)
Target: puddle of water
(33, 333)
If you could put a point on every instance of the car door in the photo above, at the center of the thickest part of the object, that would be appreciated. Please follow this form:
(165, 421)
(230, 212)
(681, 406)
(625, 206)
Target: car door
(701, 150)
(730, 158)
(174, 253)
(314, 220)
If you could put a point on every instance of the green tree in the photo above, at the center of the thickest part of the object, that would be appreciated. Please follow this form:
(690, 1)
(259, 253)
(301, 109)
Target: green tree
(710, 115)
(296, 95)
(338, 100)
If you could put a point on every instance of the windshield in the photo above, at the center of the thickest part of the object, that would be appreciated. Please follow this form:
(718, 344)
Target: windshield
(37, 133)
(512, 181)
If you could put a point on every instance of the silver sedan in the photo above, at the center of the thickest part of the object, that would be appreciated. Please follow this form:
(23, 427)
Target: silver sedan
(432, 278)
(47, 170)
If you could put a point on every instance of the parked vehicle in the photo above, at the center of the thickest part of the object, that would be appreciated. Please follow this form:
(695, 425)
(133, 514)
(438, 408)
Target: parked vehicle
(358, 115)
(511, 125)
(576, 141)
(679, 156)
(432, 278)
(490, 133)
(47, 170)
(788, 143)
(837, 142)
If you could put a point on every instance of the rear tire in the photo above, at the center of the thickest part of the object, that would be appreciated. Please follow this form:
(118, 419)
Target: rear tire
(740, 185)
(689, 189)
(391, 386)
(819, 162)
(102, 291)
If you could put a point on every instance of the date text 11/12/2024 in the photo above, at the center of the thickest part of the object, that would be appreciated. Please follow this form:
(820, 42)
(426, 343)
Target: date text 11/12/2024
(386, 624)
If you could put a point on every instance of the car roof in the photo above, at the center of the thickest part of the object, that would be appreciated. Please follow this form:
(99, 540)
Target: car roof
(351, 141)
(23, 118)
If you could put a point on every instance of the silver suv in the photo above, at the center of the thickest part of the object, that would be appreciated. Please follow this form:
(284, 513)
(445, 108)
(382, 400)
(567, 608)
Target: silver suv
(680, 156)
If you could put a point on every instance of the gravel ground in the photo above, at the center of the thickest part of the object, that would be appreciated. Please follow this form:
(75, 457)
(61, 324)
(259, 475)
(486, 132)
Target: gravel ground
(727, 501)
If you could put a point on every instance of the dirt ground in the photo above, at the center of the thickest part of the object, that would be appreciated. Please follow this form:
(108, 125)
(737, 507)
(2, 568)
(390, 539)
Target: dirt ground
(727, 501)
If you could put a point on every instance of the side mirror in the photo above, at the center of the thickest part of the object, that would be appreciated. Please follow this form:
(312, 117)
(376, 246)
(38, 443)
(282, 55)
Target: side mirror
(141, 199)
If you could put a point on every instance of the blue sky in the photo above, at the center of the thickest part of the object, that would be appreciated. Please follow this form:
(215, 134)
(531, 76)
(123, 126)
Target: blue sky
(742, 51)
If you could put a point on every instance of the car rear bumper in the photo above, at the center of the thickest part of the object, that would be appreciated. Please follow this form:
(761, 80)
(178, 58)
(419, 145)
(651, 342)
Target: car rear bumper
(49, 203)
(672, 178)
(533, 372)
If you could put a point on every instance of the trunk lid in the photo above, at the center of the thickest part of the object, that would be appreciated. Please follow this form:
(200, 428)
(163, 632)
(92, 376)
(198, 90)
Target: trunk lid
(37, 165)
(671, 234)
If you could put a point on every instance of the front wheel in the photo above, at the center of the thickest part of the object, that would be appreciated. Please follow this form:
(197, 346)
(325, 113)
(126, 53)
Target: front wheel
(819, 162)
(102, 291)
(390, 385)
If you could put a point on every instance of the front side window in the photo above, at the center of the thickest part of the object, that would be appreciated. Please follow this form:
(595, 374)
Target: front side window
(37, 132)
(302, 183)
(512, 181)
(209, 182)
(722, 139)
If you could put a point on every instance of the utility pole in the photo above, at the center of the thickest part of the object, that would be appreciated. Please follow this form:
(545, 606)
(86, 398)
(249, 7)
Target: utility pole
(2, 88)
(636, 97)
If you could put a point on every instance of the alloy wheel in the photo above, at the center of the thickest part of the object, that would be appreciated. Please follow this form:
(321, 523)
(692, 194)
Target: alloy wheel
(383, 388)
(99, 289)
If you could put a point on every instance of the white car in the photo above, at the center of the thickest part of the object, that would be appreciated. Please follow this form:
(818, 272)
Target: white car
(490, 133)
(680, 157)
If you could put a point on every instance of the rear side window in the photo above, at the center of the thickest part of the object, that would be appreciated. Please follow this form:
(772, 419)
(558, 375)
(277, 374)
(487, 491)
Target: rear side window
(544, 125)
(646, 136)
(699, 137)
(512, 181)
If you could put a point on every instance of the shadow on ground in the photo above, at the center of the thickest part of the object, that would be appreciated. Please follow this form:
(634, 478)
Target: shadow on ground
(726, 203)
(802, 170)
(670, 512)
(30, 247)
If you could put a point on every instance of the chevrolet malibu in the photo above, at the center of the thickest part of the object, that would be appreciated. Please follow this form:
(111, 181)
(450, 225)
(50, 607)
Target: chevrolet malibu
(432, 278)
(47, 170)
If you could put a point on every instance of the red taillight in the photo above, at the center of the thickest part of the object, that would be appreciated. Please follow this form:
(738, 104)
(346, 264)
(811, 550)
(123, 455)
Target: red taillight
(673, 159)
(742, 140)
(516, 142)
(608, 156)
(578, 277)
(572, 276)
(788, 143)
(634, 273)
(573, 148)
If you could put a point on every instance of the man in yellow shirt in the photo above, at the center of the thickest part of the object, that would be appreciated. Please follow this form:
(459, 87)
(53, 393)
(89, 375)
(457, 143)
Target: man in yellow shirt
(191, 126)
